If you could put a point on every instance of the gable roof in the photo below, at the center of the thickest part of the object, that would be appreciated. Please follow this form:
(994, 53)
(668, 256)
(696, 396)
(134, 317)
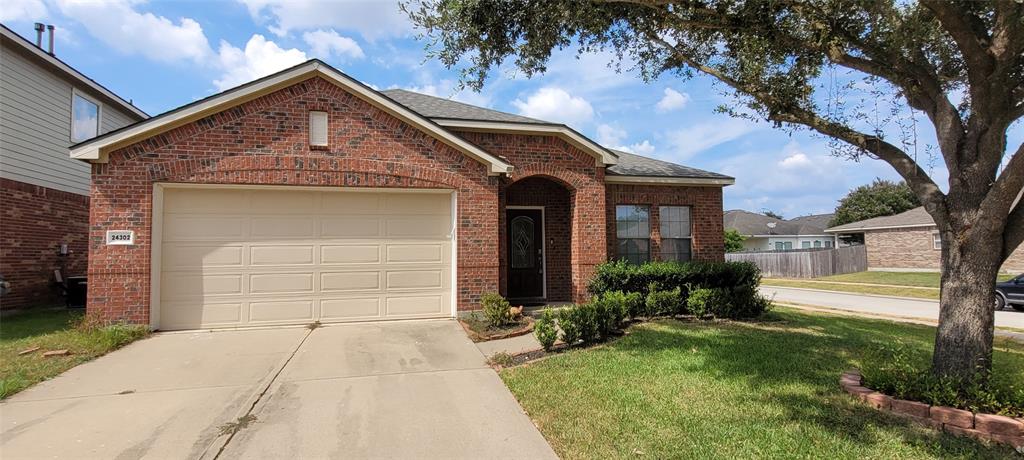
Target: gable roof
(70, 72)
(916, 217)
(752, 223)
(634, 165)
(97, 148)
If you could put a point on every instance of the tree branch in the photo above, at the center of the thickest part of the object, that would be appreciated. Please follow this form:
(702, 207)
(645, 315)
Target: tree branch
(956, 21)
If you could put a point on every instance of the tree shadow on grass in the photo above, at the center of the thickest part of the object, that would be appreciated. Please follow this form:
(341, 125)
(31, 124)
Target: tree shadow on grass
(33, 323)
(806, 351)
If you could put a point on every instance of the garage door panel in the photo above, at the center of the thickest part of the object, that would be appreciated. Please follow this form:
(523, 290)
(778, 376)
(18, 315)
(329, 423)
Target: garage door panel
(179, 256)
(189, 284)
(281, 311)
(283, 227)
(188, 228)
(349, 254)
(187, 315)
(281, 283)
(420, 227)
(423, 305)
(417, 253)
(281, 255)
(263, 257)
(350, 281)
(350, 309)
(350, 227)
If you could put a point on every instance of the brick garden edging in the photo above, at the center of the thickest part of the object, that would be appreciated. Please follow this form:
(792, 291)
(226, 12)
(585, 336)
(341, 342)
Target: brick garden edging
(994, 428)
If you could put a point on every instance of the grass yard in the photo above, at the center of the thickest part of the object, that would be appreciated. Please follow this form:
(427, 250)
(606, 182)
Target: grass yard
(900, 284)
(769, 389)
(53, 330)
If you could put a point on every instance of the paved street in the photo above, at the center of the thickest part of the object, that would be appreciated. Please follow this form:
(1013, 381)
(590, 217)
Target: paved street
(877, 305)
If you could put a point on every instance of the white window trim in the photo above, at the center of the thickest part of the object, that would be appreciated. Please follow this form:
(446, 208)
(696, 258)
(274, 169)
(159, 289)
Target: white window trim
(71, 119)
(936, 240)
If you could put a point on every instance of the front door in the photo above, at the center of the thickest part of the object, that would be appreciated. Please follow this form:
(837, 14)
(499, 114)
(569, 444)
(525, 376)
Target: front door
(525, 253)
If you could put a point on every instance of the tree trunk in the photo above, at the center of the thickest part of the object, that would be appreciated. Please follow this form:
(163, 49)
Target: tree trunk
(963, 341)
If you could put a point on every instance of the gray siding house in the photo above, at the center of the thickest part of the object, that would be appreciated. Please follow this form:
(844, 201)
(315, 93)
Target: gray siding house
(46, 106)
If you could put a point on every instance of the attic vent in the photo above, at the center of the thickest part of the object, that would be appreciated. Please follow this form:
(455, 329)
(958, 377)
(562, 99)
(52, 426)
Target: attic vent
(318, 129)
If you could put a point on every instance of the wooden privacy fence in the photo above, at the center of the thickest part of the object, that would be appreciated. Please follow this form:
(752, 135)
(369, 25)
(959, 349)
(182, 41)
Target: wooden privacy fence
(806, 263)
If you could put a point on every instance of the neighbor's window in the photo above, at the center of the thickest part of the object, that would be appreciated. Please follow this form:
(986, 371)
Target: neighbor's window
(936, 240)
(805, 245)
(633, 230)
(828, 244)
(85, 118)
(788, 245)
(676, 233)
(817, 243)
(779, 246)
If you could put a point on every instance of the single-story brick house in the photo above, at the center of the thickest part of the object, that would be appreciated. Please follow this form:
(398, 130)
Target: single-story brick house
(908, 241)
(308, 196)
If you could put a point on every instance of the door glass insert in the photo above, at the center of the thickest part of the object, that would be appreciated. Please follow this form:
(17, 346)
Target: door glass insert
(522, 242)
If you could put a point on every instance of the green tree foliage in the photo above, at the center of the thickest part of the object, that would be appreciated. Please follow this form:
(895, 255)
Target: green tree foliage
(854, 71)
(880, 198)
(733, 240)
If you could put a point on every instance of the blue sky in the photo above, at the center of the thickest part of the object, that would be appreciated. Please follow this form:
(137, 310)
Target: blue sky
(163, 54)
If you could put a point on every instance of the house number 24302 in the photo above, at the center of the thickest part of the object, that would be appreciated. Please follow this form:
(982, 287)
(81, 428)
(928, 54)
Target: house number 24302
(120, 237)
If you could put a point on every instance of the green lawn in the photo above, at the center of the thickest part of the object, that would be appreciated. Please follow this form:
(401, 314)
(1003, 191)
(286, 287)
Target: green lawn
(53, 330)
(732, 390)
(900, 284)
(897, 291)
(924, 279)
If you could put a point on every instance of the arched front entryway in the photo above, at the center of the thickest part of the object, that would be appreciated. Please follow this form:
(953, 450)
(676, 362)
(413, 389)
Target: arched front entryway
(536, 244)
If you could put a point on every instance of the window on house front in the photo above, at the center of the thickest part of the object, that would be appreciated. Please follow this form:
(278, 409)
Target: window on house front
(85, 118)
(676, 233)
(805, 245)
(633, 232)
(936, 240)
(817, 243)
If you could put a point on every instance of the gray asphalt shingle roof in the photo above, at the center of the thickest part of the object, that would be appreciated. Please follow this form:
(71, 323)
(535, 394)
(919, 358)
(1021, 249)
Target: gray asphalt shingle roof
(436, 107)
(916, 217)
(629, 164)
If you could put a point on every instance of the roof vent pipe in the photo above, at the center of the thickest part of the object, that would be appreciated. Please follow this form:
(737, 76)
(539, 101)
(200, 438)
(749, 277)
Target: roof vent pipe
(39, 34)
(50, 29)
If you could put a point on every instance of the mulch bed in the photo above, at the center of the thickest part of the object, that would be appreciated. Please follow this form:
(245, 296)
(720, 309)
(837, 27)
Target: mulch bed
(477, 332)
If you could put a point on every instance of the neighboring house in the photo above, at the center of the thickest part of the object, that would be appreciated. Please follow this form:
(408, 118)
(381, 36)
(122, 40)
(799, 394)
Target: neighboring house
(45, 106)
(308, 196)
(908, 241)
(765, 233)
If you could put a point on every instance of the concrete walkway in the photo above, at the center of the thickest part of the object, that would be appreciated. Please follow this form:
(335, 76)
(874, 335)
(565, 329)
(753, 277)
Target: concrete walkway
(903, 307)
(382, 390)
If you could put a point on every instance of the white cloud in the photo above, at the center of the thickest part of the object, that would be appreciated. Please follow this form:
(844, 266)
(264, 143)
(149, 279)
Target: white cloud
(672, 100)
(640, 148)
(696, 138)
(371, 19)
(23, 10)
(555, 104)
(117, 24)
(260, 58)
(328, 42)
(797, 160)
(614, 138)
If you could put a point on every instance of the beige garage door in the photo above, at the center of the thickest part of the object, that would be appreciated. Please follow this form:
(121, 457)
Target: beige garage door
(236, 257)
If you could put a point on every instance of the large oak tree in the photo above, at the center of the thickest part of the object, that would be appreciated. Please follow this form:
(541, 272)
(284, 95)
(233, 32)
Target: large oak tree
(959, 63)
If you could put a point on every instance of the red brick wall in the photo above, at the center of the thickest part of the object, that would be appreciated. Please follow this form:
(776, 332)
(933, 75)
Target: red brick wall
(34, 221)
(539, 191)
(706, 213)
(264, 141)
(553, 158)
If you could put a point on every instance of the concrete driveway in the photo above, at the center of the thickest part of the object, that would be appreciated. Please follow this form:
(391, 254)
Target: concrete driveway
(380, 390)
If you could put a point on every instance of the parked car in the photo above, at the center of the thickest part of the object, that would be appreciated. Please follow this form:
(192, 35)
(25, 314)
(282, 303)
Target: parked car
(1011, 293)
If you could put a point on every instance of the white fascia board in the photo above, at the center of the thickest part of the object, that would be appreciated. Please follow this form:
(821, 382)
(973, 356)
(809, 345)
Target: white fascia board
(97, 150)
(887, 227)
(602, 156)
(653, 180)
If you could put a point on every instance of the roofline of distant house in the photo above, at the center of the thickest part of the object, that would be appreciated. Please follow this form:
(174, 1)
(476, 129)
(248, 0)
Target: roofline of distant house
(883, 227)
(669, 180)
(70, 71)
(789, 235)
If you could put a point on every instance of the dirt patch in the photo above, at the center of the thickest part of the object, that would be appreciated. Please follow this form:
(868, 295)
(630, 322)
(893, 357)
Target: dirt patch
(479, 331)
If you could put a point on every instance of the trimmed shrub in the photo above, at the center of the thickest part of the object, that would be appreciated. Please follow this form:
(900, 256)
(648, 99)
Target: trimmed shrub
(497, 311)
(701, 301)
(545, 330)
(623, 305)
(568, 322)
(664, 303)
(586, 316)
(735, 285)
